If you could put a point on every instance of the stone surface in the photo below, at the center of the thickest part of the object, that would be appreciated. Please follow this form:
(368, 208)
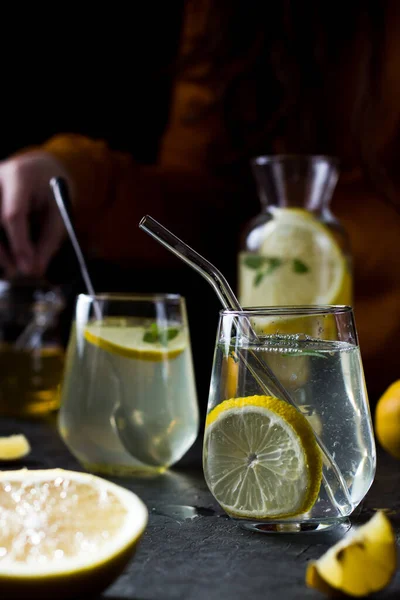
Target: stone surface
(191, 550)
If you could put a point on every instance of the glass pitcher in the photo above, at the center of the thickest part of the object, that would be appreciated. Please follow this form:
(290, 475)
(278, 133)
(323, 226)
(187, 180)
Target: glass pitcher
(31, 350)
(295, 252)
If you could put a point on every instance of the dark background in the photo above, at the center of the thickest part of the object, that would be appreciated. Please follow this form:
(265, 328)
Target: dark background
(105, 74)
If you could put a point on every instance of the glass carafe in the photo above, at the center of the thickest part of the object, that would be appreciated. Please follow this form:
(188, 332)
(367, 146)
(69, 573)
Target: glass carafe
(295, 251)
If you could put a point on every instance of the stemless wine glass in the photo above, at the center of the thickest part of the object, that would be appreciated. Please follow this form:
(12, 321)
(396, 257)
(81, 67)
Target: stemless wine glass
(272, 465)
(129, 400)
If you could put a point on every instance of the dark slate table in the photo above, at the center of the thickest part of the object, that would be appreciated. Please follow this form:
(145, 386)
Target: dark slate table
(191, 550)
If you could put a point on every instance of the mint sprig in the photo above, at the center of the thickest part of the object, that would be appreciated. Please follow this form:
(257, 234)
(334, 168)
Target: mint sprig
(299, 266)
(254, 261)
(303, 353)
(156, 335)
(265, 265)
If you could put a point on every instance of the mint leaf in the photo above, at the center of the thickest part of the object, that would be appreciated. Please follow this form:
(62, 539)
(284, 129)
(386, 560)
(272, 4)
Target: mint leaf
(254, 262)
(299, 267)
(149, 338)
(303, 353)
(172, 332)
(274, 263)
(151, 335)
(154, 335)
(258, 278)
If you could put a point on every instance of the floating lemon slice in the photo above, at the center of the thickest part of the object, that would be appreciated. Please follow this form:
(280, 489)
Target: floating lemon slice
(362, 563)
(128, 341)
(308, 265)
(14, 447)
(64, 533)
(261, 460)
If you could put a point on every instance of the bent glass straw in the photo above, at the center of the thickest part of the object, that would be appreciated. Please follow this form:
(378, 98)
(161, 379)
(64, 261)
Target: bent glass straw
(269, 382)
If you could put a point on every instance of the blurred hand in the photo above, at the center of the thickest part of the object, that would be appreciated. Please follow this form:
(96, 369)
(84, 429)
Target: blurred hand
(25, 189)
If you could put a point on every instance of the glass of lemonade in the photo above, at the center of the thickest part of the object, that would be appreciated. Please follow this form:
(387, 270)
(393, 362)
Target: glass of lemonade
(299, 463)
(129, 400)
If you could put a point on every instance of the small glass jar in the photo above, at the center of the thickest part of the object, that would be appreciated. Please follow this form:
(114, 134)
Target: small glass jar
(295, 252)
(31, 350)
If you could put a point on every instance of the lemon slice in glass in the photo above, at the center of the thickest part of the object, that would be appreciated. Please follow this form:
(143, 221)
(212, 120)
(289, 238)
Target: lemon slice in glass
(308, 265)
(261, 460)
(64, 532)
(128, 340)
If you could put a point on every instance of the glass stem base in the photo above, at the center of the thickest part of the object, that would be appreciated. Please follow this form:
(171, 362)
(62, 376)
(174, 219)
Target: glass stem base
(294, 527)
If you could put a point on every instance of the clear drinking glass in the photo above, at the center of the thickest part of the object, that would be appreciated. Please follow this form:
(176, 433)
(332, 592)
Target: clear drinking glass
(129, 400)
(280, 466)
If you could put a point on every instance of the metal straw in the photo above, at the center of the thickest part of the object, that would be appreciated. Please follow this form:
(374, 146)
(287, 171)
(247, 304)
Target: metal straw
(268, 381)
(61, 196)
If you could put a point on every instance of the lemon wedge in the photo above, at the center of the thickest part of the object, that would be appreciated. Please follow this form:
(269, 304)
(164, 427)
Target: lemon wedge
(362, 563)
(14, 447)
(127, 340)
(308, 265)
(64, 533)
(261, 460)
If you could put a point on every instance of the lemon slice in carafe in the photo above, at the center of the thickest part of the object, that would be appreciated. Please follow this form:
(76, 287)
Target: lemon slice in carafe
(303, 264)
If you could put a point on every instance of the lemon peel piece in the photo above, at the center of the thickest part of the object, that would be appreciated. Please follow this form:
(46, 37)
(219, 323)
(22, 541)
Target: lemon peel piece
(13, 447)
(362, 563)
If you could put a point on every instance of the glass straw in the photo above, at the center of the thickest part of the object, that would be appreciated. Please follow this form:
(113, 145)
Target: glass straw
(268, 381)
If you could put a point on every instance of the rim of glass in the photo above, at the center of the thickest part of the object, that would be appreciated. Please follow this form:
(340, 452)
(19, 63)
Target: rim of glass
(284, 311)
(135, 297)
(265, 159)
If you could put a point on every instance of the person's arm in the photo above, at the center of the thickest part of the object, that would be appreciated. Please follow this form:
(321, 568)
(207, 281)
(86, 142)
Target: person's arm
(111, 192)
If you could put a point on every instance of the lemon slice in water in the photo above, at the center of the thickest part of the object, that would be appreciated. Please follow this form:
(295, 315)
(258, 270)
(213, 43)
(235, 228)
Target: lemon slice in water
(261, 459)
(309, 266)
(128, 340)
(64, 533)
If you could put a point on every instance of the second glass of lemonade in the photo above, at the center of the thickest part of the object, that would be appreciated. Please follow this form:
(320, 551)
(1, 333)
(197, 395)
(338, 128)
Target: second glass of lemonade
(129, 400)
(297, 461)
